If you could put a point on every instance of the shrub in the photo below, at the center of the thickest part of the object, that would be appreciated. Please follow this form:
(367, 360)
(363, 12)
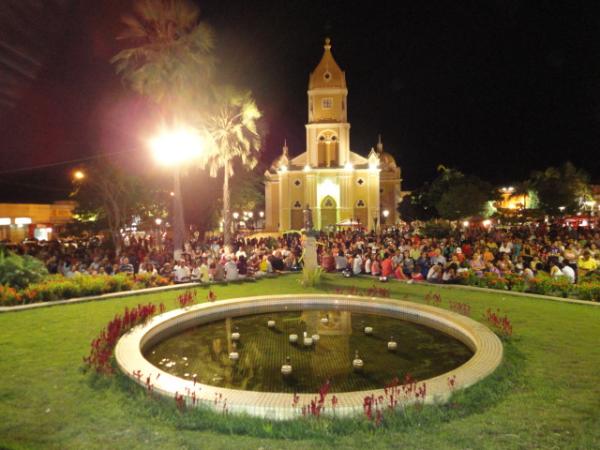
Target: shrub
(9, 296)
(588, 291)
(312, 277)
(19, 271)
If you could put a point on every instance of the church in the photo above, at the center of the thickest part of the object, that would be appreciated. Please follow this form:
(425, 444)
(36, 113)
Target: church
(339, 185)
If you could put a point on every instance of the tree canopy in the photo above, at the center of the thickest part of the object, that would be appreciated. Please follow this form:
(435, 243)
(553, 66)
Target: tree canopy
(562, 189)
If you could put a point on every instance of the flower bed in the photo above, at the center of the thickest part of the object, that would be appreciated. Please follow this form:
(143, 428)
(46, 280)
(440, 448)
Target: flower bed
(542, 284)
(57, 287)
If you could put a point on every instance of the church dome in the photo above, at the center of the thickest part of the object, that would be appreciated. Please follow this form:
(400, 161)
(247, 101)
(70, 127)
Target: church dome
(327, 74)
(387, 161)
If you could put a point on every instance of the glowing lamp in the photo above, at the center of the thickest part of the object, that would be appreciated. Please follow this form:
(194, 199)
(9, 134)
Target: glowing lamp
(177, 146)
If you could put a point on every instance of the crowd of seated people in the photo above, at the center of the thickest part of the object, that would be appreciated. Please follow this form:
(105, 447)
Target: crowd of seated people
(404, 253)
(204, 261)
(407, 254)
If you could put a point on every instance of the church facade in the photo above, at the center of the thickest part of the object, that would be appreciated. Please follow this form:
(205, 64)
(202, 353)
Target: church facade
(339, 185)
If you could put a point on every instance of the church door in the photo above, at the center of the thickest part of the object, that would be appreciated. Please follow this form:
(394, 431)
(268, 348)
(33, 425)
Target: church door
(297, 219)
(328, 213)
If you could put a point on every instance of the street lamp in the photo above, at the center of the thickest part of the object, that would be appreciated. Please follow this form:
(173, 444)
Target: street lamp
(173, 148)
(386, 214)
(79, 175)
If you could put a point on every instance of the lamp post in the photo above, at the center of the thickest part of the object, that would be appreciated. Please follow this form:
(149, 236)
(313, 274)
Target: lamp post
(236, 216)
(158, 240)
(386, 214)
(173, 148)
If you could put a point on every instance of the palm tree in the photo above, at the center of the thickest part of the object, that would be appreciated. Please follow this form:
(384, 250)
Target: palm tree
(234, 135)
(172, 54)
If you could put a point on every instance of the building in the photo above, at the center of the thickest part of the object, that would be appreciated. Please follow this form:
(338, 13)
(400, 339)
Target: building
(338, 184)
(20, 221)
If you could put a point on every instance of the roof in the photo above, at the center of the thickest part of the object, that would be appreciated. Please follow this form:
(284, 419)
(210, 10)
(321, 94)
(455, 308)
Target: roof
(327, 74)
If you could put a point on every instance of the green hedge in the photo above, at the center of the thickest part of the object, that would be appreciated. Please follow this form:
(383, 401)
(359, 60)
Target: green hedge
(57, 287)
(18, 271)
(542, 284)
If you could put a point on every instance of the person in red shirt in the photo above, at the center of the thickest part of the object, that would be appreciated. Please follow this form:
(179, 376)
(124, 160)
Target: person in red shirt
(387, 266)
(416, 274)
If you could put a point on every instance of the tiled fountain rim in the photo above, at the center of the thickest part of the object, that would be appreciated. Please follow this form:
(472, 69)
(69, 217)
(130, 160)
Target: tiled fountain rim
(487, 348)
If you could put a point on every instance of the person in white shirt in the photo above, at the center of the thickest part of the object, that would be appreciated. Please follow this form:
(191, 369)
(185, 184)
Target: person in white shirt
(357, 264)
(368, 265)
(568, 272)
(231, 270)
(181, 272)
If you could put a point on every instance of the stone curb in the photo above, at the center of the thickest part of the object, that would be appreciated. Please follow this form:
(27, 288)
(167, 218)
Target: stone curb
(495, 291)
(5, 309)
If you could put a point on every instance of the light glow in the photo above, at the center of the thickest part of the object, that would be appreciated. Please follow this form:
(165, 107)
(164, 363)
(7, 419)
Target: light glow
(5, 221)
(466, 223)
(177, 146)
(307, 168)
(348, 166)
(22, 220)
(487, 223)
(158, 221)
(79, 175)
(386, 213)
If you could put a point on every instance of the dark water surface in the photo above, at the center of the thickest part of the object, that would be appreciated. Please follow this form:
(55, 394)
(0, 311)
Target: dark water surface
(204, 351)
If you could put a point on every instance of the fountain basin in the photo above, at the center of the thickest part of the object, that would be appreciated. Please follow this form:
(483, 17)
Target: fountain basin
(129, 353)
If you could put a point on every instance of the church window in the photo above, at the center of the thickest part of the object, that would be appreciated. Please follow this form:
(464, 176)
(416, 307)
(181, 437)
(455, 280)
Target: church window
(328, 203)
(297, 204)
(334, 138)
(321, 138)
(297, 183)
(360, 204)
(360, 181)
(327, 76)
(327, 103)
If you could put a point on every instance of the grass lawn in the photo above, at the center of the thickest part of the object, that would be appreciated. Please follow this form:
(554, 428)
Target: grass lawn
(546, 394)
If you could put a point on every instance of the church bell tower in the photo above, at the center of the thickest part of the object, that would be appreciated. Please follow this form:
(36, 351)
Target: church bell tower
(328, 130)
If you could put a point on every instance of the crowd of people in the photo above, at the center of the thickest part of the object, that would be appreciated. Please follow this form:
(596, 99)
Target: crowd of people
(404, 253)
(407, 254)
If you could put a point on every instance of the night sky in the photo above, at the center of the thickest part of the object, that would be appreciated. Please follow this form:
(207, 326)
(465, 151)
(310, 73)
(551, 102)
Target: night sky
(496, 88)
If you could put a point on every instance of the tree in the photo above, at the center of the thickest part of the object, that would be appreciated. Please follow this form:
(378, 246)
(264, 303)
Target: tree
(415, 206)
(172, 56)
(464, 197)
(452, 195)
(110, 199)
(561, 190)
(232, 127)
(248, 191)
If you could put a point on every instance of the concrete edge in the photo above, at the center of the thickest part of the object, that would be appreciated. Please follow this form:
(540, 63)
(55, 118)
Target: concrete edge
(91, 298)
(487, 347)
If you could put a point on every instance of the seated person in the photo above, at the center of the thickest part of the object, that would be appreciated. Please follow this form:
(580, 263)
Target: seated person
(231, 270)
(434, 275)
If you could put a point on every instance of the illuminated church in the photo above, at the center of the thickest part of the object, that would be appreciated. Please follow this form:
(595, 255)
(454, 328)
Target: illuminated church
(340, 186)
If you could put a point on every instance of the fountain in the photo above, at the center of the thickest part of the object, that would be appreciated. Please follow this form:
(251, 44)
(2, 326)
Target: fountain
(437, 344)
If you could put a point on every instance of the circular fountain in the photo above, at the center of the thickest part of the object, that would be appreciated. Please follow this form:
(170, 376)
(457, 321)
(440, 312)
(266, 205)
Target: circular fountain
(436, 344)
